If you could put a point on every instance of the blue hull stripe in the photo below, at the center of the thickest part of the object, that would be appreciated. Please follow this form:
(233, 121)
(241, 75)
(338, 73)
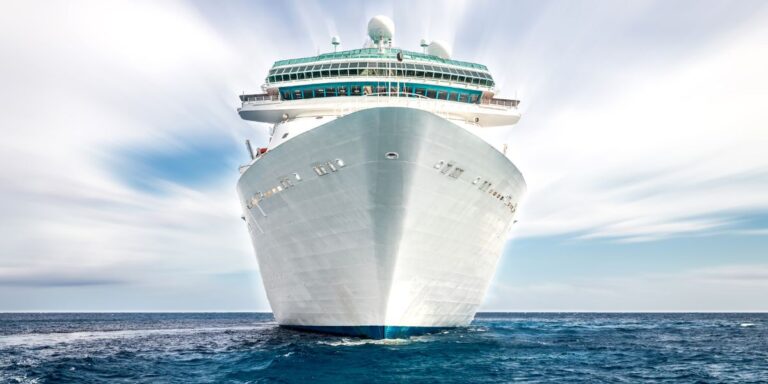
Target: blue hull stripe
(368, 331)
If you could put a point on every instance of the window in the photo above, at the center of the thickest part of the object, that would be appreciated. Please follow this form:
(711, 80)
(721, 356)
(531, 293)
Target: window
(463, 97)
(335, 66)
(342, 91)
(316, 74)
(431, 93)
(473, 99)
(326, 66)
(367, 90)
(344, 65)
(285, 135)
(286, 95)
(330, 92)
(334, 72)
(453, 96)
(420, 91)
(356, 90)
(307, 93)
(442, 95)
(319, 92)
(293, 76)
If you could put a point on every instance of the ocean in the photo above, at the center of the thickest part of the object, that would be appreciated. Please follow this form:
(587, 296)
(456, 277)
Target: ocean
(497, 347)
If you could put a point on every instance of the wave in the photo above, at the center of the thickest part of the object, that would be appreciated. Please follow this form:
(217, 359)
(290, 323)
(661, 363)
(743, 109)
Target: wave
(38, 339)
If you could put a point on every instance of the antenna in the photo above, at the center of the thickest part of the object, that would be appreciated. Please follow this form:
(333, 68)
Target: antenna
(335, 41)
(424, 44)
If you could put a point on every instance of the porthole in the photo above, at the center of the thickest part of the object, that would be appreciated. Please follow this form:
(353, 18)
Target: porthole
(340, 163)
(285, 135)
(391, 155)
(439, 164)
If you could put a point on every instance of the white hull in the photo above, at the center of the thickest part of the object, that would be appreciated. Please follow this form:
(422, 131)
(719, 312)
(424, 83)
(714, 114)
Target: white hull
(380, 243)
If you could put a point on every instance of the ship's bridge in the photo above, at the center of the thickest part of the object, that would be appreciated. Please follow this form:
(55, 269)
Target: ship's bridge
(337, 83)
(377, 63)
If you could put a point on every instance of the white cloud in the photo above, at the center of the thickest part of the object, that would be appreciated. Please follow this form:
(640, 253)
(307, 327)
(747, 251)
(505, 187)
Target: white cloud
(83, 81)
(654, 151)
(649, 151)
(730, 288)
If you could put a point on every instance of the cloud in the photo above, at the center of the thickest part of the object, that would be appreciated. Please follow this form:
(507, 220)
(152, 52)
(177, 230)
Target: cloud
(104, 103)
(89, 90)
(730, 288)
(652, 151)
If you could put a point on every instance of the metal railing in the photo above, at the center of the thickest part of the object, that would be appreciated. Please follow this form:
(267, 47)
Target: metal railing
(365, 53)
(379, 97)
(259, 97)
(502, 102)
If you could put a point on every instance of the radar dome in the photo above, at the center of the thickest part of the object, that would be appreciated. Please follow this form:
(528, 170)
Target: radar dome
(440, 49)
(381, 28)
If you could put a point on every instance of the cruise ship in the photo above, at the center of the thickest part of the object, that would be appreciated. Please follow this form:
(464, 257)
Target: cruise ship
(376, 209)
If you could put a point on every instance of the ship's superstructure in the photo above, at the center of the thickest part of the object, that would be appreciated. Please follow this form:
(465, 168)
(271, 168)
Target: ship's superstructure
(376, 209)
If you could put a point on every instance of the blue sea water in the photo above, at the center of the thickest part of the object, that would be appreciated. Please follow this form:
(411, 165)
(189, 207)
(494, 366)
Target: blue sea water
(498, 347)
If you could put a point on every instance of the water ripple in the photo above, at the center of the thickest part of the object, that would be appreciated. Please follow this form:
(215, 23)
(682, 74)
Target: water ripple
(498, 347)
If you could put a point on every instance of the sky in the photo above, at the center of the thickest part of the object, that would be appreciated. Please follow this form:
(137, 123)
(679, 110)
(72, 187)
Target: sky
(644, 143)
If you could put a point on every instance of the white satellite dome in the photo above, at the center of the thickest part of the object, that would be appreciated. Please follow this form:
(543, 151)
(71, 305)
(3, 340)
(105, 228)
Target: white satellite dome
(439, 49)
(381, 28)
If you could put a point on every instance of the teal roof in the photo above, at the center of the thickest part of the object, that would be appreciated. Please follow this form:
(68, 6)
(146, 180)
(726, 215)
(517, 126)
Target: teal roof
(374, 53)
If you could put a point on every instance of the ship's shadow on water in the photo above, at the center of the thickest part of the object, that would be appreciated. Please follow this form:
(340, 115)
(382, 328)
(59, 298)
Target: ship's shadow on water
(251, 348)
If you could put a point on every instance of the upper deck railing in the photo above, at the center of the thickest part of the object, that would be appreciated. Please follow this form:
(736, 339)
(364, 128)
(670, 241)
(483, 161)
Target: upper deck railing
(372, 53)
(259, 97)
(508, 103)
(502, 102)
